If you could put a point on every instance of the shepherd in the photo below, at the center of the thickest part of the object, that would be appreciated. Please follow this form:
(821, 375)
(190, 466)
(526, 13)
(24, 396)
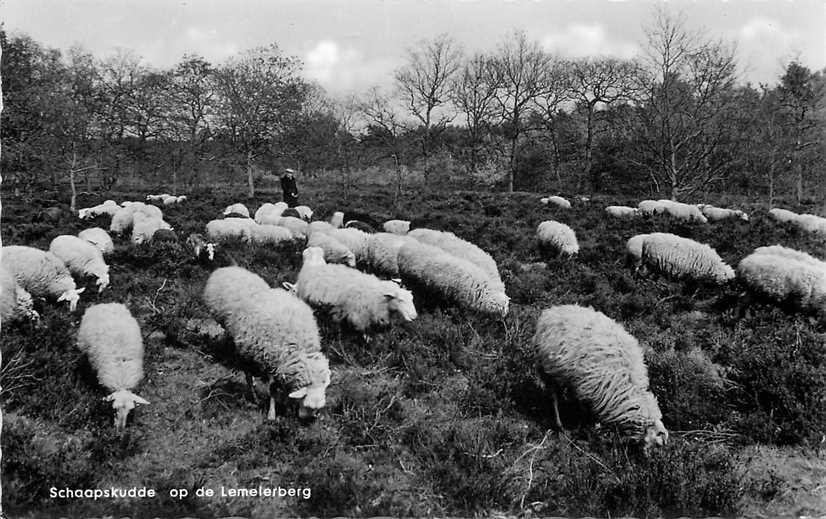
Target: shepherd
(289, 189)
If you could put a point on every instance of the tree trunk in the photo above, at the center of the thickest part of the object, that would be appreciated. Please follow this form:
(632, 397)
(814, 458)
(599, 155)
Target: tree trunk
(250, 183)
(1, 355)
(72, 168)
(589, 139)
(512, 163)
(398, 192)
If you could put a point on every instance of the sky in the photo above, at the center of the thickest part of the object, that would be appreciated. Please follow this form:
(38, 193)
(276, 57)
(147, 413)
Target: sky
(351, 45)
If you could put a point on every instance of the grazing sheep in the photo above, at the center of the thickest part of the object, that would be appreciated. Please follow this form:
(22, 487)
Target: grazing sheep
(298, 227)
(41, 273)
(603, 364)
(157, 198)
(682, 258)
(361, 226)
(267, 234)
(362, 300)
(15, 302)
(200, 247)
(275, 335)
(319, 227)
(449, 242)
(633, 249)
(334, 250)
(271, 210)
(684, 212)
(621, 211)
(123, 219)
(304, 212)
(353, 239)
(383, 252)
(557, 201)
(172, 200)
(228, 228)
(782, 215)
(111, 339)
(397, 226)
(81, 258)
(144, 227)
(108, 207)
(811, 223)
(454, 278)
(785, 252)
(237, 209)
(717, 214)
(337, 220)
(651, 207)
(99, 238)
(557, 236)
(786, 275)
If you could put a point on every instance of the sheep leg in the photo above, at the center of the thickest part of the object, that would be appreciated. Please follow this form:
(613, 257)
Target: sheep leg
(271, 412)
(251, 387)
(556, 409)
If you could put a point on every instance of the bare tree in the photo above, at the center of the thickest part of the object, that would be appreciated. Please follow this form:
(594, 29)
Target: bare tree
(521, 72)
(549, 103)
(424, 83)
(384, 123)
(473, 92)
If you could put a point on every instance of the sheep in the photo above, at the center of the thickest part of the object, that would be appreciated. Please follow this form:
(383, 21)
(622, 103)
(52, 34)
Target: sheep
(108, 207)
(99, 238)
(298, 227)
(717, 214)
(15, 302)
(334, 250)
(337, 220)
(811, 223)
(682, 258)
(681, 211)
(382, 254)
(361, 226)
(786, 275)
(269, 209)
(557, 201)
(144, 227)
(353, 239)
(199, 246)
(557, 236)
(651, 207)
(41, 273)
(157, 198)
(449, 242)
(172, 200)
(82, 258)
(262, 234)
(123, 220)
(275, 334)
(454, 278)
(304, 212)
(603, 364)
(228, 228)
(237, 209)
(782, 215)
(621, 211)
(397, 226)
(362, 300)
(319, 227)
(633, 249)
(111, 339)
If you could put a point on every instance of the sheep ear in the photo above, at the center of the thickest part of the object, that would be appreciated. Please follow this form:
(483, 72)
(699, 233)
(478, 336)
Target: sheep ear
(80, 290)
(288, 286)
(298, 393)
(397, 281)
(139, 400)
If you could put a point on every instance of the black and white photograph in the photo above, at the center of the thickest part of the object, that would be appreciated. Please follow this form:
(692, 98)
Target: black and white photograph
(515, 259)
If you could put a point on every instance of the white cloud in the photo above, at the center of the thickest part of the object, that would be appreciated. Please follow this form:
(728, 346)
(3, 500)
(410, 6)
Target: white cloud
(340, 69)
(579, 40)
(764, 44)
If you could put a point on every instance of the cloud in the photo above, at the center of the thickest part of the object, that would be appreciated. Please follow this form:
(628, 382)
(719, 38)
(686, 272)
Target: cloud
(341, 69)
(764, 45)
(579, 40)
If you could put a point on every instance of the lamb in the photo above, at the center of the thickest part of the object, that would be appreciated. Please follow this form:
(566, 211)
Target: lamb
(683, 258)
(383, 252)
(557, 236)
(82, 258)
(603, 364)
(228, 228)
(337, 220)
(271, 210)
(200, 247)
(782, 215)
(267, 234)
(362, 300)
(621, 211)
(237, 209)
(557, 201)
(144, 227)
(108, 207)
(397, 226)
(99, 238)
(449, 242)
(717, 214)
(275, 334)
(41, 273)
(15, 302)
(786, 275)
(454, 278)
(334, 250)
(111, 339)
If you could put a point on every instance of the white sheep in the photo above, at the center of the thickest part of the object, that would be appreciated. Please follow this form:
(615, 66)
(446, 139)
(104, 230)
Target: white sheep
(337, 220)
(269, 210)
(397, 226)
(228, 228)
(319, 227)
(785, 252)
(172, 200)
(621, 211)
(81, 258)
(454, 278)
(267, 234)
(334, 250)
(353, 239)
(362, 300)
(557, 201)
(111, 339)
(157, 198)
(682, 258)
(298, 227)
(811, 223)
(238, 209)
(684, 212)
(784, 275)
(717, 214)
(305, 212)
(275, 334)
(633, 249)
(782, 215)
(557, 236)
(587, 351)
(99, 238)
(15, 302)
(41, 273)
(383, 252)
(123, 220)
(108, 207)
(651, 207)
(449, 242)
(144, 227)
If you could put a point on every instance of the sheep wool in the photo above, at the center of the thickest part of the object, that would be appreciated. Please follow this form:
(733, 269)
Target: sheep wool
(111, 339)
(453, 278)
(811, 223)
(717, 214)
(785, 252)
(337, 220)
(450, 243)
(557, 236)
(334, 250)
(108, 207)
(228, 228)
(41, 273)
(681, 211)
(383, 252)
(362, 300)
(397, 226)
(353, 239)
(319, 227)
(603, 364)
(682, 258)
(304, 212)
(275, 335)
(267, 234)
(144, 227)
(298, 227)
(621, 211)
(82, 258)
(269, 211)
(557, 201)
(238, 209)
(786, 275)
(651, 207)
(633, 248)
(782, 215)
(99, 238)
(15, 302)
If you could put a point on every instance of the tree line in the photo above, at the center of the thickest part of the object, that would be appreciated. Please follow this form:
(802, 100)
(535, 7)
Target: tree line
(675, 120)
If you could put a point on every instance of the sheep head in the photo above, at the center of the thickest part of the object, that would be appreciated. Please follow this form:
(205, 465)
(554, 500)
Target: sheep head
(123, 401)
(400, 301)
(72, 296)
(311, 395)
(656, 435)
(103, 281)
(313, 256)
